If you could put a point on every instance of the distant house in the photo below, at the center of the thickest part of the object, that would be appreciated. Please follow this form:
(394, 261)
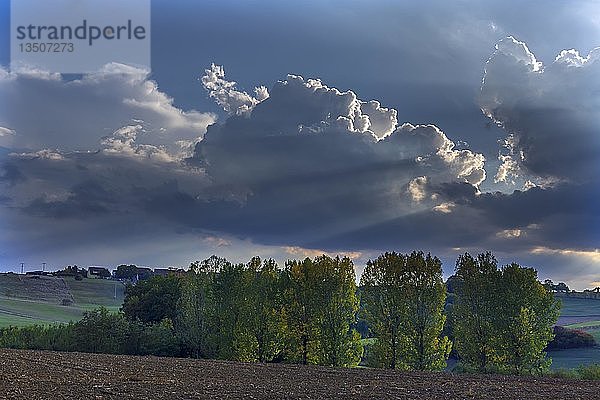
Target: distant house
(71, 270)
(39, 273)
(144, 273)
(98, 272)
(169, 271)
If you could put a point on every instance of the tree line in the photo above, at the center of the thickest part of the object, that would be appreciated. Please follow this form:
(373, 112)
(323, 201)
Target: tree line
(311, 311)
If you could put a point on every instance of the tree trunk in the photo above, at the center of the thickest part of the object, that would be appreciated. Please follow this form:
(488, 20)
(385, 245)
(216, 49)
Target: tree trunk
(304, 349)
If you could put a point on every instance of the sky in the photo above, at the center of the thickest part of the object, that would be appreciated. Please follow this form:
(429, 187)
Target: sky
(292, 129)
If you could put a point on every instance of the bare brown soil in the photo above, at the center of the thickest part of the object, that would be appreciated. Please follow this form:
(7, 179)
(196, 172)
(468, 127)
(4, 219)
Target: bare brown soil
(51, 375)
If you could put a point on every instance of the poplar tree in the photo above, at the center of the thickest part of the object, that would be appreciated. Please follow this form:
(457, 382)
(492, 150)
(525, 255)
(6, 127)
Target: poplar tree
(426, 294)
(503, 317)
(475, 311)
(403, 301)
(335, 285)
(232, 313)
(384, 307)
(264, 311)
(300, 311)
(320, 306)
(195, 320)
(526, 314)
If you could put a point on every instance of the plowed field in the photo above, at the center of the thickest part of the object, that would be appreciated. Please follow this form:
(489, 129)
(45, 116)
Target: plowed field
(50, 375)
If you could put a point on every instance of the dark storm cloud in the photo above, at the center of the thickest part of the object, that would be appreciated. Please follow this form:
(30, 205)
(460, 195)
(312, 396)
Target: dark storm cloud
(319, 186)
(424, 58)
(307, 161)
(303, 164)
(81, 184)
(84, 200)
(551, 112)
(311, 161)
(43, 110)
(11, 174)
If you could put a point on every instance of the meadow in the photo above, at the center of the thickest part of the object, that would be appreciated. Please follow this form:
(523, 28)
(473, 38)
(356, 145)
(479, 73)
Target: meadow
(27, 300)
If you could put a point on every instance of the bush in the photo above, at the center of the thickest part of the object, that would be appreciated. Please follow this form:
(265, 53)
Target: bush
(564, 373)
(100, 331)
(590, 372)
(160, 340)
(38, 337)
(587, 372)
(152, 300)
(565, 338)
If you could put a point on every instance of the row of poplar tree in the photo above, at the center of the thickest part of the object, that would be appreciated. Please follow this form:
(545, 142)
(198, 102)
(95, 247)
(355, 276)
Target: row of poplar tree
(493, 319)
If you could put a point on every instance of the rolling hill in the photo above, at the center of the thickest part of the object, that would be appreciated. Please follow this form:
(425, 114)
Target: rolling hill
(26, 300)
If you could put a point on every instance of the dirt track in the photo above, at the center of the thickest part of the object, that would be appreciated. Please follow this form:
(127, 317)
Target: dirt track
(49, 375)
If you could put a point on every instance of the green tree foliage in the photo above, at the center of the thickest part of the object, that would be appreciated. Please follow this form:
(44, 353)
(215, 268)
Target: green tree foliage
(452, 284)
(152, 300)
(426, 297)
(403, 301)
(335, 289)
(232, 313)
(126, 271)
(195, 320)
(300, 311)
(384, 307)
(475, 310)
(264, 299)
(100, 331)
(159, 340)
(526, 313)
(320, 304)
(38, 337)
(502, 318)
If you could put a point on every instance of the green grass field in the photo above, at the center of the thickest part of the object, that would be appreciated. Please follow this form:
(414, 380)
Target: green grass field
(573, 358)
(587, 310)
(91, 293)
(576, 307)
(27, 300)
(590, 324)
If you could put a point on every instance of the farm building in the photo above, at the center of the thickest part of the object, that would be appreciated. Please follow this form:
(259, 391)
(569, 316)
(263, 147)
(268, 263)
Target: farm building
(98, 272)
(169, 271)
